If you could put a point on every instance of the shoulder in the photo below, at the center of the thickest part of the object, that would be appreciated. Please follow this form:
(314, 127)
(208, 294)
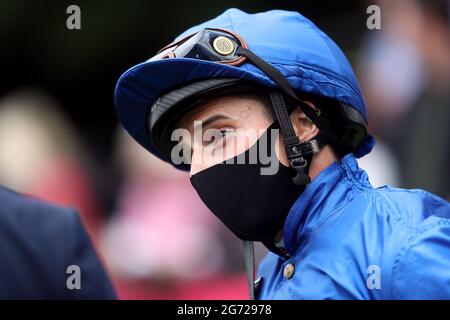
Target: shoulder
(39, 242)
(420, 268)
(410, 206)
(35, 242)
(17, 206)
(414, 229)
(29, 217)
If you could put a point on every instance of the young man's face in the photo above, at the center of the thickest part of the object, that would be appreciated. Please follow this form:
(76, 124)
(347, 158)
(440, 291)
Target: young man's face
(229, 125)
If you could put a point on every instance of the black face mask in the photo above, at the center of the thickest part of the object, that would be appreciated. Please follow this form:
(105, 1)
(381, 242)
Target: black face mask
(252, 205)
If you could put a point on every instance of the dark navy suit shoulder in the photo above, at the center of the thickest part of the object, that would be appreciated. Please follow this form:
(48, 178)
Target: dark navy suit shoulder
(38, 242)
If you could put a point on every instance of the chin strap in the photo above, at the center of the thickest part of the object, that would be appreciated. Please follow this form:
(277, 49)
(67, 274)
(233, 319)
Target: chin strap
(298, 153)
(249, 257)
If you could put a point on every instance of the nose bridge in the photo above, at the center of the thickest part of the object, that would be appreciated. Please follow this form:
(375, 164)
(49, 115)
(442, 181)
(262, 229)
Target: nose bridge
(202, 158)
(197, 164)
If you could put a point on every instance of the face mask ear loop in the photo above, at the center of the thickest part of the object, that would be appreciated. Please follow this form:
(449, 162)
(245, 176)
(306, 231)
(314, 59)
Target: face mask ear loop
(249, 257)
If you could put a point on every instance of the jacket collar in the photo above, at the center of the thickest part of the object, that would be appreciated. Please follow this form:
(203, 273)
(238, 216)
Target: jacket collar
(328, 192)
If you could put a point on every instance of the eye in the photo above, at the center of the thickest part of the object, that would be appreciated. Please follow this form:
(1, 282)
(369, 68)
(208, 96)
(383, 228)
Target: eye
(211, 138)
(223, 133)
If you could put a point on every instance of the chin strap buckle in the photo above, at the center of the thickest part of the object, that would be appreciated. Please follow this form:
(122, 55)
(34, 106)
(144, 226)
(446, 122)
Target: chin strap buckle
(297, 154)
(300, 164)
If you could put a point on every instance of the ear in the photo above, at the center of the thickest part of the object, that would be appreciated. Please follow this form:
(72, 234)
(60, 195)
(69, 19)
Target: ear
(304, 128)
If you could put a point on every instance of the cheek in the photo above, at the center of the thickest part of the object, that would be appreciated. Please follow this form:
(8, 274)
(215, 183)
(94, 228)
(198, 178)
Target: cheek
(204, 157)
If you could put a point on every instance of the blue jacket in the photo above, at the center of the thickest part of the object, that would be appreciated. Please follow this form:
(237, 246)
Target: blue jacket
(38, 242)
(348, 240)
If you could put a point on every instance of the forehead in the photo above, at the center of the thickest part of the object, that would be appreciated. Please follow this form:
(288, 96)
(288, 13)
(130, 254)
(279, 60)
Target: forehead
(235, 106)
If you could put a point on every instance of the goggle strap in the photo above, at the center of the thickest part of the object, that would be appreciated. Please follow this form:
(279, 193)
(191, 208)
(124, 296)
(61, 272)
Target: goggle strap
(282, 115)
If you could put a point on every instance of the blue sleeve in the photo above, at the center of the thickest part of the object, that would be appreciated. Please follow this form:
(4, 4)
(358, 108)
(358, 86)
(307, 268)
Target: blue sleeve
(422, 267)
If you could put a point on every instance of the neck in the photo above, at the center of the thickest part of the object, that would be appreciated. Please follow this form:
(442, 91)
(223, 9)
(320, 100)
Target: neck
(321, 160)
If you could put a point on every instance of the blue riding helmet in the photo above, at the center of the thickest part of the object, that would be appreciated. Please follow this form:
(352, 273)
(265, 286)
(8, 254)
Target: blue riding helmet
(213, 55)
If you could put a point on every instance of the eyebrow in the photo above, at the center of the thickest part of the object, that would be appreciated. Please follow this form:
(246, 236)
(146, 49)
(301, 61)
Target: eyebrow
(211, 119)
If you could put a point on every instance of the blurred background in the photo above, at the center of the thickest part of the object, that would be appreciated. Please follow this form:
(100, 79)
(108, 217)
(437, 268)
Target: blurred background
(60, 139)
